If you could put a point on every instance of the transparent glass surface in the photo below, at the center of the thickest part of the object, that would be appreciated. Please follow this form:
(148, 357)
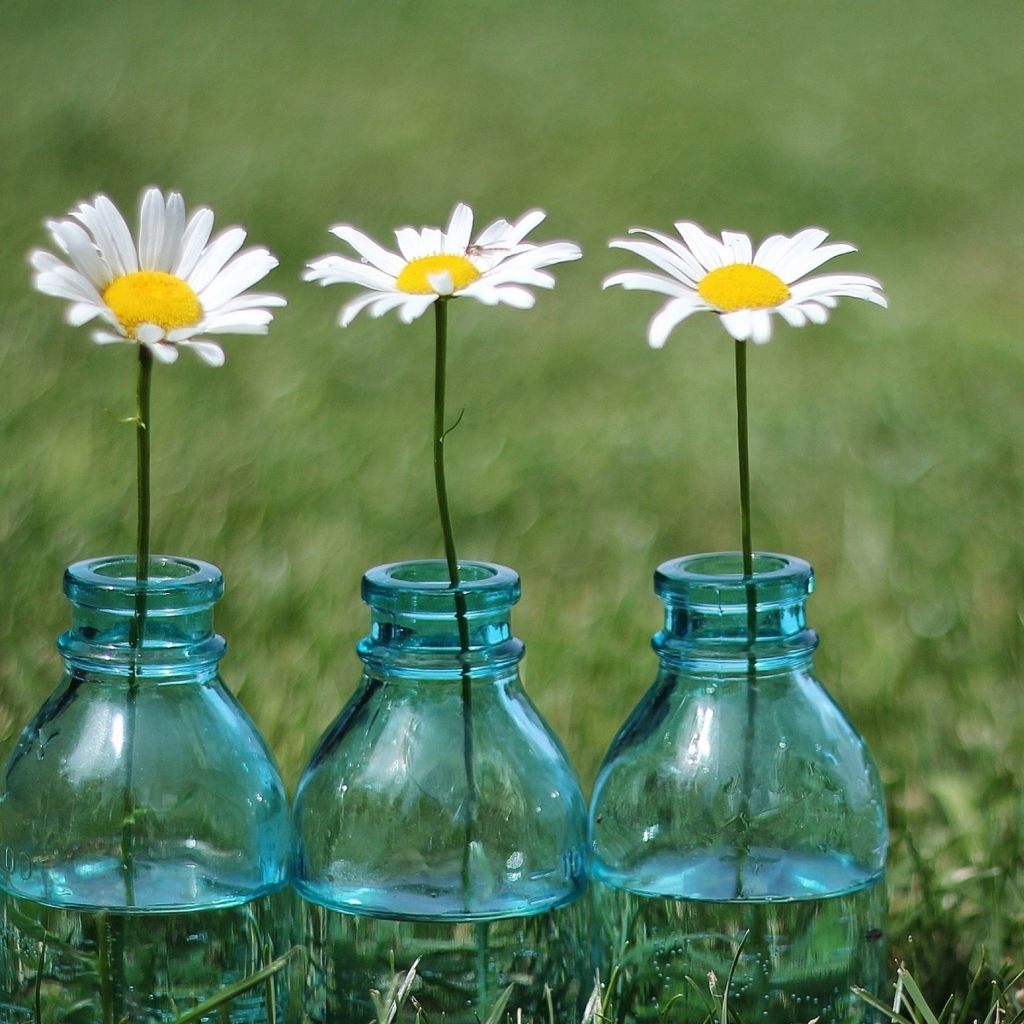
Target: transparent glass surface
(103, 967)
(140, 788)
(738, 800)
(439, 794)
(463, 965)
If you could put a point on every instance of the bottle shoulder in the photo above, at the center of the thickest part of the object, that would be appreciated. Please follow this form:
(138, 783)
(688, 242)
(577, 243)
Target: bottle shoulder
(200, 786)
(380, 817)
(704, 767)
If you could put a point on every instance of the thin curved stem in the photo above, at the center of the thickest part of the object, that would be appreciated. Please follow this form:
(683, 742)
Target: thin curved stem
(138, 627)
(441, 486)
(743, 451)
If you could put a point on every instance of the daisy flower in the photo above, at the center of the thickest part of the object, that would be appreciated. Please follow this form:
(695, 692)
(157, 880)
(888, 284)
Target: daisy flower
(165, 292)
(743, 287)
(498, 267)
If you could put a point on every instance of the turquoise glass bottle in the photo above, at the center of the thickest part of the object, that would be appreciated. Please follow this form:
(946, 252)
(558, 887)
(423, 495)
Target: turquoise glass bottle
(738, 817)
(143, 821)
(439, 819)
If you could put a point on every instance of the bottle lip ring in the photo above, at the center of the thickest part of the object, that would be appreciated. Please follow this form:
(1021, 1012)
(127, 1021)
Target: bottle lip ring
(407, 585)
(95, 581)
(721, 573)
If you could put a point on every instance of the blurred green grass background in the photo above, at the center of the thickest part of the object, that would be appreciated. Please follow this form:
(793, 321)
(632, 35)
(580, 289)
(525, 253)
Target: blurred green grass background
(887, 447)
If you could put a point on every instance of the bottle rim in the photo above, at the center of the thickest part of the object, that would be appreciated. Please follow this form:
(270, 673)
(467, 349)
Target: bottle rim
(424, 585)
(108, 581)
(717, 578)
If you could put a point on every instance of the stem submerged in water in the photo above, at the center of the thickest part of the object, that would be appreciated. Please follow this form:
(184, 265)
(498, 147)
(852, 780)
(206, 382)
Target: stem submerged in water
(743, 450)
(440, 485)
(138, 626)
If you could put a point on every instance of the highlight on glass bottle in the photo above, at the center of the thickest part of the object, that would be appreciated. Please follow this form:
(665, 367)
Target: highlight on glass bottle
(439, 819)
(738, 817)
(140, 809)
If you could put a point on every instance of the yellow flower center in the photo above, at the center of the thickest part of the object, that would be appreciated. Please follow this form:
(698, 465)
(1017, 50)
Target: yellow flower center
(152, 297)
(413, 278)
(742, 286)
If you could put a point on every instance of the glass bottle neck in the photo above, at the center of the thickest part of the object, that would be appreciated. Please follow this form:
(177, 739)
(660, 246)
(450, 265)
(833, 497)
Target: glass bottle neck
(718, 620)
(422, 627)
(161, 626)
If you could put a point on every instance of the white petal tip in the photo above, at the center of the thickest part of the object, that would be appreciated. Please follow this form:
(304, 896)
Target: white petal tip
(150, 334)
(442, 282)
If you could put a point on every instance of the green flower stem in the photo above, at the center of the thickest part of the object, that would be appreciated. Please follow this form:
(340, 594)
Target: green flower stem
(105, 972)
(440, 359)
(743, 449)
(138, 626)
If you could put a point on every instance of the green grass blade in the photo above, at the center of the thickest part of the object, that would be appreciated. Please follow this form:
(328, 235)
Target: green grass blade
(919, 1001)
(238, 988)
(965, 1009)
(728, 981)
(498, 1010)
(877, 1004)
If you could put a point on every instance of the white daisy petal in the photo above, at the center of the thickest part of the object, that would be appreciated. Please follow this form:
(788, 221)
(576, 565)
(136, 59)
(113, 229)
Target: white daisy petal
(174, 231)
(513, 295)
(352, 308)
(691, 266)
(415, 307)
(197, 234)
(67, 283)
(242, 272)
(180, 334)
(391, 263)
(44, 261)
(672, 313)
(738, 245)
(815, 313)
(857, 286)
(792, 314)
(410, 245)
(760, 326)
(119, 233)
(209, 351)
(662, 258)
(216, 254)
(523, 226)
(75, 241)
(460, 229)
(164, 352)
(149, 334)
(483, 291)
(341, 270)
(738, 324)
(528, 258)
(555, 252)
(494, 233)
(441, 282)
(81, 313)
(792, 267)
(97, 226)
(151, 230)
(109, 338)
(710, 252)
(252, 300)
(641, 280)
(385, 303)
(768, 249)
(800, 244)
(518, 275)
(248, 321)
(432, 240)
